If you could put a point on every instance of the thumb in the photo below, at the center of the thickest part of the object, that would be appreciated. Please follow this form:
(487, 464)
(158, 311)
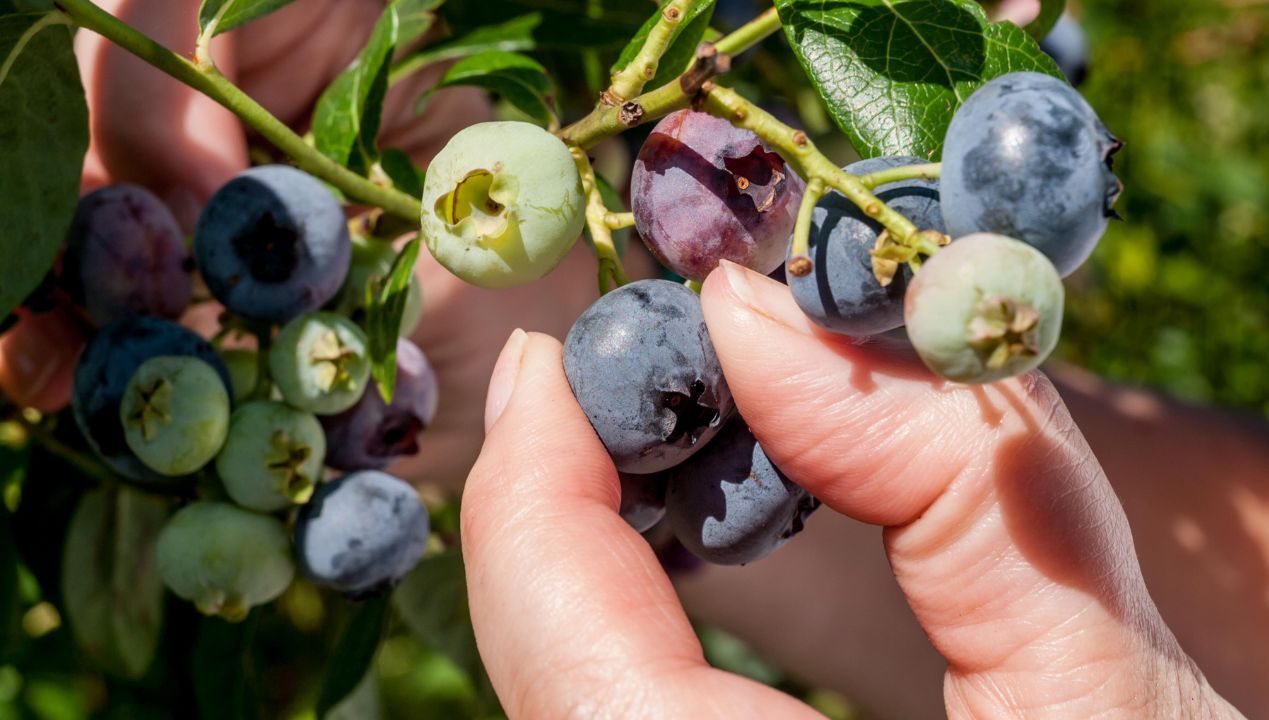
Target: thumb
(1004, 534)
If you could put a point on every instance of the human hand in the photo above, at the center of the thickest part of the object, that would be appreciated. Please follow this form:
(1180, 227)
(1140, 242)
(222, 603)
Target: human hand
(1001, 528)
(154, 131)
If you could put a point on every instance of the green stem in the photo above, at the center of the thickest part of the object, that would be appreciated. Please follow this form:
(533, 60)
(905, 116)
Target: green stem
(605, 120)
(87, 465)
(750, 34)
(215, 86)
(693, 285)
(930, 171)
(800, 254)
(619, 221)
(611, 269)
(629, 81)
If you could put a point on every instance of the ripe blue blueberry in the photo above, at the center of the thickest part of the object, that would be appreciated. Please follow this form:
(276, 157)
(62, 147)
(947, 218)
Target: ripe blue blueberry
(372, 433)
(104, 370)
(272, 244)
(320, 363)
(642, 499)
(642, 367)
(1026, 157)
(730, 505)
(361, 533)
(703, 190)
(125, 255)
(984, 308)
(502, 204)
(842, 292)
(224, 559)
(175, 413)
(272, 457)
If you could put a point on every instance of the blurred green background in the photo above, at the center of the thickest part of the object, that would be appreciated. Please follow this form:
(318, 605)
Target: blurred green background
(1176, 297)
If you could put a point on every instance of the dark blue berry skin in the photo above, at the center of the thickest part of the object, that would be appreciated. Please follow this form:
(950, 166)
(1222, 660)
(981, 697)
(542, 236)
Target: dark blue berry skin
(643, 369)
(841, 293)
(1068, 46)
(125, 255)
(1026, 157)
(730, 505)
(361, 533)
(642, 499)
(372, 433)
(103, 372)
(273, 244)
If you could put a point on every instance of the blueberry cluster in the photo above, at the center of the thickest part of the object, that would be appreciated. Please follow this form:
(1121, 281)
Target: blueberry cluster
(254, 431)
(1026, 192)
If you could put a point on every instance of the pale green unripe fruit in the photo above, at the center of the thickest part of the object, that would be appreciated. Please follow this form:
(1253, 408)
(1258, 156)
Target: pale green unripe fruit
(244, 370)
(502, 204)
(984, 308)
(224, 559)
(175, 414)
(272, 457)
(320, 362)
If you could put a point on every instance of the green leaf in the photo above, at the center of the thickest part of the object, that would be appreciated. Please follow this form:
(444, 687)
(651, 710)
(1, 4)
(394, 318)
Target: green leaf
(682, 48)
(891, 73)
(385, 304)
(348, 114)
(110, 585)
(519, 79)
(513, 35)
(432, 601)
(415, 18)
(560, 25)
(405, 175)
(222, 684)
(1050, 11)
(44, 133)
(229, 14)
(354, 653)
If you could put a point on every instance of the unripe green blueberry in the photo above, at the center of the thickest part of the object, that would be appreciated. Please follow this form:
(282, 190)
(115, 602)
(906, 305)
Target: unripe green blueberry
(502, 204)
(224, 559)
(320, 363)
(175, 413)
(272, 457)
(984, 308)
(244, 370)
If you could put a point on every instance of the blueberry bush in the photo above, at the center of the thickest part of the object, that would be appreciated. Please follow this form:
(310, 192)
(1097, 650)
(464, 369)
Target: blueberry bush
(209, 527)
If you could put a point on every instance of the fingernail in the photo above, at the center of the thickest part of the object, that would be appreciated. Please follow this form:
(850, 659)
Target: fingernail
(503, 380)
(764, 296)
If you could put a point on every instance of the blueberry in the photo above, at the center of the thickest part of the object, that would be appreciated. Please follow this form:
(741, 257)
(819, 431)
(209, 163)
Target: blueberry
(1067, 44)
(175, 413)
(842, 293)
(371, 434)
(1026, 157)
(272, 456)
(642, 367)
(730, 505)
(642, 499)
(703, 190)
(361, 533)
(125, 255)
(106, 367)
(223, 559)
(984, 308)
(273, 244)
(320, 363)
(371, 258)
(502, 204)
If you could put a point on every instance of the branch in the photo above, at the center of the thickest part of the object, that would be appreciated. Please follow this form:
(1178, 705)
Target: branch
(629, 81)
(930, 171)
(215, 86)
(600, 222)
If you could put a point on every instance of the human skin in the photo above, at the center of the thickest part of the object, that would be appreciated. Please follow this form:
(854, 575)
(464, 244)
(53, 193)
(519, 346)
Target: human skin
(1001, 528)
